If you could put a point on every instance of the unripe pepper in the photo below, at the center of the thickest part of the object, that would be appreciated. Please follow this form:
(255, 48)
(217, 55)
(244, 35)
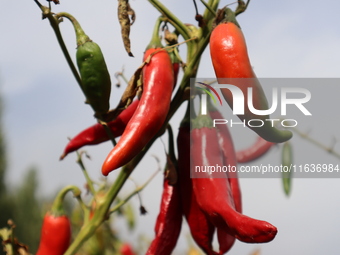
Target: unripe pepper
(201, 229)
(96, 134)
(287, 161)
(255, 151)
(213, 191)
(230, 59)
(158, 81)
(56, 229)
(95, 78)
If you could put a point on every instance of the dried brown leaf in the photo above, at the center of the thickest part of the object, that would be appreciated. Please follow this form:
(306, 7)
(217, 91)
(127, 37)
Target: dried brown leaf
(124, 10)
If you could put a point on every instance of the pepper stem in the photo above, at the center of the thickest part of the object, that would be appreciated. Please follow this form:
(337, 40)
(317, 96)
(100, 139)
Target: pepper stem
(226, 15)
(82, 38)
(202, 121)
(57, 206)
(155, 40)
(171, 151)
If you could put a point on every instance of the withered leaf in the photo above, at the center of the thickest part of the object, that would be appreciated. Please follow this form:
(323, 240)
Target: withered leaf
(124, 10)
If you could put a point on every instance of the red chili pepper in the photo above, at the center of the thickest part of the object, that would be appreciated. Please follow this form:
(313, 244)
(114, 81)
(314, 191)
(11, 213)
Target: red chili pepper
(56, 229)
(126, 249)
(169, 221)
(202, 230)
(213, 191)
(96, 134)
(229, 158)
(158, 81)
(230, 59)
(257, 150)
(55, 235)
(226, 240)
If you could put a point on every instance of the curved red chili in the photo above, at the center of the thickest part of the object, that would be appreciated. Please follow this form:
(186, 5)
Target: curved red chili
(201, 229)
(96, 134)
(213, 191)
(158, 81)
(230, 59)
(56, 228)
(255, 151)
(226, 144)
(229, 158)
(169, 221)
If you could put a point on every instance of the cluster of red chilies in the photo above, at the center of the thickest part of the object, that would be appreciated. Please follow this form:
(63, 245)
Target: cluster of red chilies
(210, 203)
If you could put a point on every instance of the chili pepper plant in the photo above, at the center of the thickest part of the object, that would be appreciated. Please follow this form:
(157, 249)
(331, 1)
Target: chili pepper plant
(150, 99)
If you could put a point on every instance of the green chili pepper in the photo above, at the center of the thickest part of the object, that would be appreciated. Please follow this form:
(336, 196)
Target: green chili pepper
(96, 81)
(287, 159)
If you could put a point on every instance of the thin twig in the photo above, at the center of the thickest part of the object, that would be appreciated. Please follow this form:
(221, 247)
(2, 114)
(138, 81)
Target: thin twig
(87, 177)
(329, 149)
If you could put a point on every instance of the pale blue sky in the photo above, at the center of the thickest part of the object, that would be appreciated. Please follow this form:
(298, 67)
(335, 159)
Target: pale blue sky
(44, 106)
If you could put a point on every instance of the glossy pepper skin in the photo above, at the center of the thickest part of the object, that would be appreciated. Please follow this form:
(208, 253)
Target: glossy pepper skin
(96, 134)
(213, 191)
(55, 235)
(226, 144)
(158, 82)
(126, 249)
(169, 221)
(56, 229)
(229, 157)
(201, 229)
(230, 59)
(255, 151)
(95, 77)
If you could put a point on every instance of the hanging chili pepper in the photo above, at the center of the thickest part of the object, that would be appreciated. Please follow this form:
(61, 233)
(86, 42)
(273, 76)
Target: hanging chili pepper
(255, 151)
(55, 235)
(287, 161)
(230, 59)
(213, 191)
(96, 134)
(126, 249)
(169, 220)
(202, 230)
(229, 158)
(226, 240)
(95, 77)
(56, 229)
(158, 80)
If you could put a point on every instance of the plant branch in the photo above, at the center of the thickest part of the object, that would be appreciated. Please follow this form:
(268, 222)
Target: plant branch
(329, 149)
(136, 191)
(87, 177)
(173, 20)
(55, 25)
